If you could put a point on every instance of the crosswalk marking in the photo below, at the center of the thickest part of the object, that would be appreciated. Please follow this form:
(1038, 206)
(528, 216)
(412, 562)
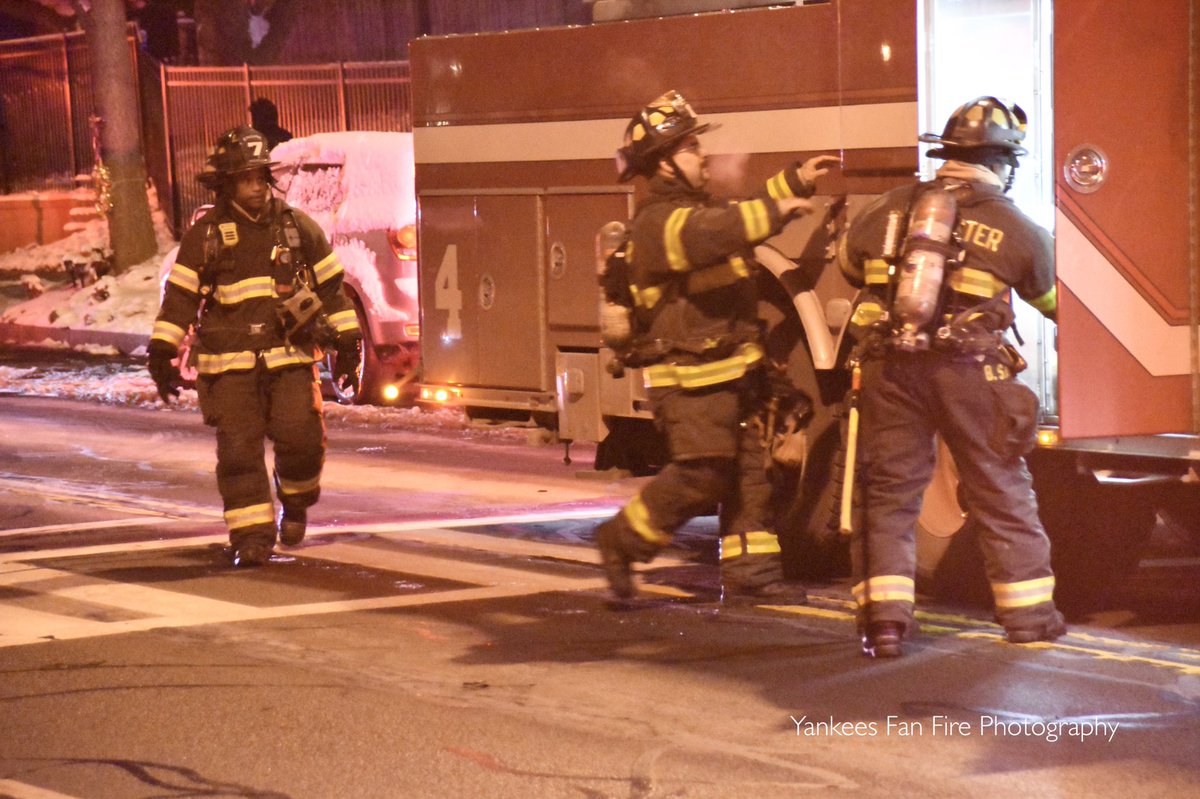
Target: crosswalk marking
(19, 790)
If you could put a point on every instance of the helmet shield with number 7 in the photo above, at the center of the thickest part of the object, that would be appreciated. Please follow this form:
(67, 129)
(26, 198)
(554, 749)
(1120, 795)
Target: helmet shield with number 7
(237, 150)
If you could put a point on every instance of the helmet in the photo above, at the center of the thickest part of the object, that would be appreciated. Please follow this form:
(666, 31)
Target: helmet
(982, 131)
(654, 131)
(237, 150)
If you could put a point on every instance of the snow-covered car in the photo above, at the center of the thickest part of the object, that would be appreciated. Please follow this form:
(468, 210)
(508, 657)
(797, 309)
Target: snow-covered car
(358, 186)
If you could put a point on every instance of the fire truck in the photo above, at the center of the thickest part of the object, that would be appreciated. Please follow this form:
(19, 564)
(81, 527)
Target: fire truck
(514, 139)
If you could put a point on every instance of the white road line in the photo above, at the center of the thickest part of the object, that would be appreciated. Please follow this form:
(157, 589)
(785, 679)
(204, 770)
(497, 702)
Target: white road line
(136, 521)
(19, 790)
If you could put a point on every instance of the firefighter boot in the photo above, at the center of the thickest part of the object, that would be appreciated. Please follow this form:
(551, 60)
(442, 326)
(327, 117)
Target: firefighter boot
(253, 548)
(882, 639)
(1048, 631)
(292, 525)
(619, 547)
(759, 578)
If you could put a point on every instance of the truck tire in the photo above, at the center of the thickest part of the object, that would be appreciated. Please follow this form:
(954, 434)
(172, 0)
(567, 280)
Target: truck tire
(1097, 534)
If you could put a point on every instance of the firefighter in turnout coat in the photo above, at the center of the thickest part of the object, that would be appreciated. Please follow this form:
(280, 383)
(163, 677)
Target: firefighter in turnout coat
(697, 336)
(937, 262)
(263, 288)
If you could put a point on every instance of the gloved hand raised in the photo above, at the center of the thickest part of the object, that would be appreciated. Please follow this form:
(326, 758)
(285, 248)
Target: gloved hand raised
(816, 167)
(345, 366)
(163, 372)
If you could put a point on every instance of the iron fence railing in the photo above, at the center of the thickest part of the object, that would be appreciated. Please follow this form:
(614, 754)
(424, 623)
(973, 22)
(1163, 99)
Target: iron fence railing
(46, 103)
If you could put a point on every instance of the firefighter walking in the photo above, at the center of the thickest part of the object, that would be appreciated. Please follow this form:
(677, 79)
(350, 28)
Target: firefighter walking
(263, 288)
(937, 261)
(697, 337)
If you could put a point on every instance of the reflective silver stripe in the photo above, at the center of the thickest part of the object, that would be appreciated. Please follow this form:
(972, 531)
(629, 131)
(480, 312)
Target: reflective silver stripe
(243, 290)
(327, 267)
(703, 374)
(673, 239)
(1024, 593)
(638, 516)
(184, 277)
(165, 331)
(759, 542)
(249, 516)
(290, 487)
(343, 321)
(756, 221)
(885, 588)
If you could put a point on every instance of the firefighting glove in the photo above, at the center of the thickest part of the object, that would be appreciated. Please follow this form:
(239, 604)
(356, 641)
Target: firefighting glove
(345, 366)
(163, 372)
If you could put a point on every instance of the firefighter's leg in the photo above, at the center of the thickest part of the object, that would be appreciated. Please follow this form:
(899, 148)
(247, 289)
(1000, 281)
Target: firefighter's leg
(896, 452)
(681, 491)
(700, 428)
(233, 405)
(297, 430)
(980, 417)
(751, 564)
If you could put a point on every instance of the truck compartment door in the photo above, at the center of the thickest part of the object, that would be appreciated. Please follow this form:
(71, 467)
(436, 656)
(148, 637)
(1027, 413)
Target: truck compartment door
(1125, 165)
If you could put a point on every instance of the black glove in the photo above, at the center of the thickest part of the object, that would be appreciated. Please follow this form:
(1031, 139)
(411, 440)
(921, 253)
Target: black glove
(345, 366)
(164, 373)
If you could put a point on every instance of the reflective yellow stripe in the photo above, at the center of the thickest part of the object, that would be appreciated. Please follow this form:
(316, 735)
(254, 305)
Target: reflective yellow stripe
(299, 486)
(1025, 593)
(165, 331)
(867, 313)
(703, 374)
(1048, 302)
(975, 282)
(759, 542)
(184, 277)
(673, 239)
(327, 267)
(218, 363)
(647, 297)
(885, 588)
(714, 277)
(243, 290)
(876, 271)
(343, 321)
(756, 221)
(638, 516)
(778, 187)
(238, 518)
(285, 356)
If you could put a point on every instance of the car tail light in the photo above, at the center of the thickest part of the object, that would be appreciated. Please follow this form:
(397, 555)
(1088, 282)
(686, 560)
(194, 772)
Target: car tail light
(404, 242)
(412, 330)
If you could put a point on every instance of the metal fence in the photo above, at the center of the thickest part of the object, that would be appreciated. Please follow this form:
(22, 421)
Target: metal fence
(46, 103)
(201, 102)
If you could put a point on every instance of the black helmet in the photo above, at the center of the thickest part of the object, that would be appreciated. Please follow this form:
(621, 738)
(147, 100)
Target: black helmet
(237, 150)
(654, 131)
(985, 130)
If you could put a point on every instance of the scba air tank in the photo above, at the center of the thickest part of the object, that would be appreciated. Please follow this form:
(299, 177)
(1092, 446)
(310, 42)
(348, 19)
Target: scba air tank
(616, 329)
(923, 266)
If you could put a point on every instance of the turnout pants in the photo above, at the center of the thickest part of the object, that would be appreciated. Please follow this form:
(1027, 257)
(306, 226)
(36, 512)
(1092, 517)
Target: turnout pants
(717, 463)
(988, 421)
(283, 405)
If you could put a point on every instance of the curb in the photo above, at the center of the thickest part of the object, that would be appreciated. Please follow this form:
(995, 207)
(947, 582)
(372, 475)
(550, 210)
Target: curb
(37, 336)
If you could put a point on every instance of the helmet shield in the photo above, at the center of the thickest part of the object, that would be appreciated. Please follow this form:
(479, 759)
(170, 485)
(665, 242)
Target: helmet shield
(239, 149)
(654, 132)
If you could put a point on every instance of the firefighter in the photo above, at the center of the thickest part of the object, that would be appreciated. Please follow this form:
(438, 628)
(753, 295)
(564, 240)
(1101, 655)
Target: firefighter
(263, 288)
(937, 262)
(697, 337)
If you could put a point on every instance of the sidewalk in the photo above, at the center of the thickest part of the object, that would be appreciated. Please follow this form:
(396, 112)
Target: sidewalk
(39, 336)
